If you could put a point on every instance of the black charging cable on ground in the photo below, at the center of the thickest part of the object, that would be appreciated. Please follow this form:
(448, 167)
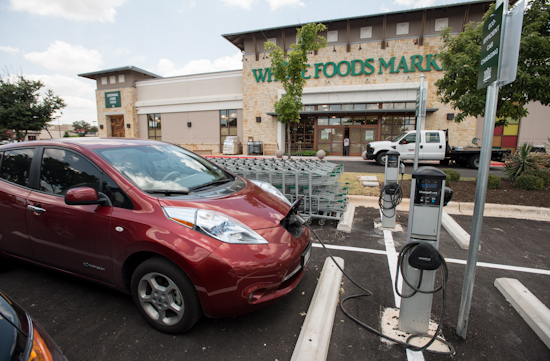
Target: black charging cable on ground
(395, 192)
(415, 289)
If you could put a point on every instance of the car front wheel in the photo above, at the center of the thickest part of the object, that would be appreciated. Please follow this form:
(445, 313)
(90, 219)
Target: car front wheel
(165, 296)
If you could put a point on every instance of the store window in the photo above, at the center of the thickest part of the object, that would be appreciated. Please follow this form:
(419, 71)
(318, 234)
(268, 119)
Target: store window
(302, 135)
(228, 124)
(392, 126)
(154, 128)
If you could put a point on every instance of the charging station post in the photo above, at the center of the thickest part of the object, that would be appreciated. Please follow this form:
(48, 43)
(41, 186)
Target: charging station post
(390, 193)
(428, 196)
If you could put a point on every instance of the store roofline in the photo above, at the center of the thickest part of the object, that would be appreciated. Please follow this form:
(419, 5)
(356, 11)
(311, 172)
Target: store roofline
(94, 74)
(236, 38)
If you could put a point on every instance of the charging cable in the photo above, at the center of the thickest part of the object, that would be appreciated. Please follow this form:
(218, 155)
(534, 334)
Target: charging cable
(395, 193)
(415, 289)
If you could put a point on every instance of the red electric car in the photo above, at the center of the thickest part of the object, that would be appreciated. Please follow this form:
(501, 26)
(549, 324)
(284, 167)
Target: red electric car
(183, 236)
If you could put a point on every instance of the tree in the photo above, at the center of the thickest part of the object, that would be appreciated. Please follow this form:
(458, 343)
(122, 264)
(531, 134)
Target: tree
(460, 57)
(287, 67)
(23, 107)
(82, 127)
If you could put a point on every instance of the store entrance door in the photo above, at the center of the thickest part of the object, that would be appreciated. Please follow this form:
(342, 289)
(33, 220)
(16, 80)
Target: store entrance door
(117, 126)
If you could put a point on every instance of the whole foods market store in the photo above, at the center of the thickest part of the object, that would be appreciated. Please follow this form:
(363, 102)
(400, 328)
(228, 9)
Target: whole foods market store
(326, 126)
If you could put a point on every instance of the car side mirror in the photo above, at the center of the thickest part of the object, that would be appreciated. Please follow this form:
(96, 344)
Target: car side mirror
(82, 196)
(403, 141)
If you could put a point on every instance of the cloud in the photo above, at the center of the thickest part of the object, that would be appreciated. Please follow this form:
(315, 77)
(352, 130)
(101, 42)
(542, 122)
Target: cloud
(168, 68)
(275, 4)
(78, 94)
(244, 4)
(9, 49)
(67, 59)
(77, 10)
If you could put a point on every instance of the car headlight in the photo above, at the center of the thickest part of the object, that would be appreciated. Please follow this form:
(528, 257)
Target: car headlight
(270, 189)
(214, 224)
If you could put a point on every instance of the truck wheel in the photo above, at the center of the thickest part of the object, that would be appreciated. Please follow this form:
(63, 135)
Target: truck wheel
(380, 158)
(473, 162)
(444, 162)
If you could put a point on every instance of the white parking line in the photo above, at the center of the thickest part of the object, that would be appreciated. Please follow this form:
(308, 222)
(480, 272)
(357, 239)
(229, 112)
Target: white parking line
(392, 263)
(448, 260)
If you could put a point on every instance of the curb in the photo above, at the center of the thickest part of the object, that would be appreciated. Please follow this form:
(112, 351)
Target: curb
(467, 209)
(314, 339)
(530, 308)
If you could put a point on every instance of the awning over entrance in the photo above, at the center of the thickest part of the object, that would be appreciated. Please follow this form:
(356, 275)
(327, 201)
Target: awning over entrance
(360, 112)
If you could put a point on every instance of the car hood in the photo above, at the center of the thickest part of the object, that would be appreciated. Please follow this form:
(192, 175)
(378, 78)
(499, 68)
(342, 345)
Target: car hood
(251, 205)
(380, 143)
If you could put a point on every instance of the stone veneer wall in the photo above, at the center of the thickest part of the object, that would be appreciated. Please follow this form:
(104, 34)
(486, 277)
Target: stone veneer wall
(128, 98)
(258, 97)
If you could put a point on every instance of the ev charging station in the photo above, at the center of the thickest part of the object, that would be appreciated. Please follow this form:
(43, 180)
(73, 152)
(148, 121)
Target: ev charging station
(391, 194)
(420, 256)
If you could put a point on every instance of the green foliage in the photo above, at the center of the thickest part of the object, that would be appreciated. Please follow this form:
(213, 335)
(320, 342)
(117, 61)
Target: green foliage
(24, 106)
(542, 173)
(66, 134)
(452, 175)
(82, 127)
(460, 57)
(494, 182)
(522, 161)
(304, 153)
(288, 67)
(529, 182)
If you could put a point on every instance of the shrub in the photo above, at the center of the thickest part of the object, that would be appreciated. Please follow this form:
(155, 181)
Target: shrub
(452, 175)
(542, 173)
(494, 182)
(529, 182)
(522, 161)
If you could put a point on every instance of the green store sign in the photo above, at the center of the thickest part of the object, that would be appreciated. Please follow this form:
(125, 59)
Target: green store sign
(359, 67)
(112, 99)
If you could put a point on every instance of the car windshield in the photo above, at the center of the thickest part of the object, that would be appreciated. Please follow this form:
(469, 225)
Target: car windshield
(164, 168)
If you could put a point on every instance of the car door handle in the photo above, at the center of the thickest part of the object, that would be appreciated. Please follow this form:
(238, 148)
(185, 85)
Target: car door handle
(36, 209)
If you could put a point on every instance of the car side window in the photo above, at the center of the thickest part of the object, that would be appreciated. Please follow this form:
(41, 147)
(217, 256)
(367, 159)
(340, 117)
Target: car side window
(411, 138)
(62, 170)
(16, 165)
(116, 195)
(432, 137)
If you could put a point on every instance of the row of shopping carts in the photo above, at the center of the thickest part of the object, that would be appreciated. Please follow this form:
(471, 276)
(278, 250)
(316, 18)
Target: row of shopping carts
(318, 181)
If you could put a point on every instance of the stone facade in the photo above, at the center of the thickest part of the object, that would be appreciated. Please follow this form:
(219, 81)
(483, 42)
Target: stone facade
(258, 97)
(128, 98)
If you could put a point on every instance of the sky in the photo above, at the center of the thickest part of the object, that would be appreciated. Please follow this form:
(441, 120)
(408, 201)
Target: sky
(55, 40)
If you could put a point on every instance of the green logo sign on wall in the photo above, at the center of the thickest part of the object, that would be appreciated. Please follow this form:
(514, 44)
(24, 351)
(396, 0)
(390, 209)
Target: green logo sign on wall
(489, 59)
(358, 67)
(112, 99)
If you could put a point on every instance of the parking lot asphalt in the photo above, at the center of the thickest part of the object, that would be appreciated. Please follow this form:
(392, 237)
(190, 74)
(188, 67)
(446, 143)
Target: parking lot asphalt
(92, 322)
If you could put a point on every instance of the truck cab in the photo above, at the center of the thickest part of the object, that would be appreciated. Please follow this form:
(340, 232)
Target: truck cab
(432, 146)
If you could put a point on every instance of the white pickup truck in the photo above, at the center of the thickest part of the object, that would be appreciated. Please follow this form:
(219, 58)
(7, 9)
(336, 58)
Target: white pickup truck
(433, 146)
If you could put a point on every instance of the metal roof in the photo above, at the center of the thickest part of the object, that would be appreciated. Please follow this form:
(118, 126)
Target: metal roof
(237, 39)
(94, 74)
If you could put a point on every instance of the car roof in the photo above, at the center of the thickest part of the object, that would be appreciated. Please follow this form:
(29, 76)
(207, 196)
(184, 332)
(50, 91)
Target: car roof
(87, 142)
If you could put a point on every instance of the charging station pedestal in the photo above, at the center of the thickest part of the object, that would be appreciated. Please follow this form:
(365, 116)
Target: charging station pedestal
(428, 196)
(391, 176)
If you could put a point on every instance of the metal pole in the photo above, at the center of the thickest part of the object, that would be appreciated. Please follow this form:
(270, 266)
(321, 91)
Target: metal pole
(419, 123)
(479, 206)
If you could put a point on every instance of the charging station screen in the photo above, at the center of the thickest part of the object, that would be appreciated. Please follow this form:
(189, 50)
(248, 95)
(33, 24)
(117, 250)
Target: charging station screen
(392, 161)
(428, 192)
